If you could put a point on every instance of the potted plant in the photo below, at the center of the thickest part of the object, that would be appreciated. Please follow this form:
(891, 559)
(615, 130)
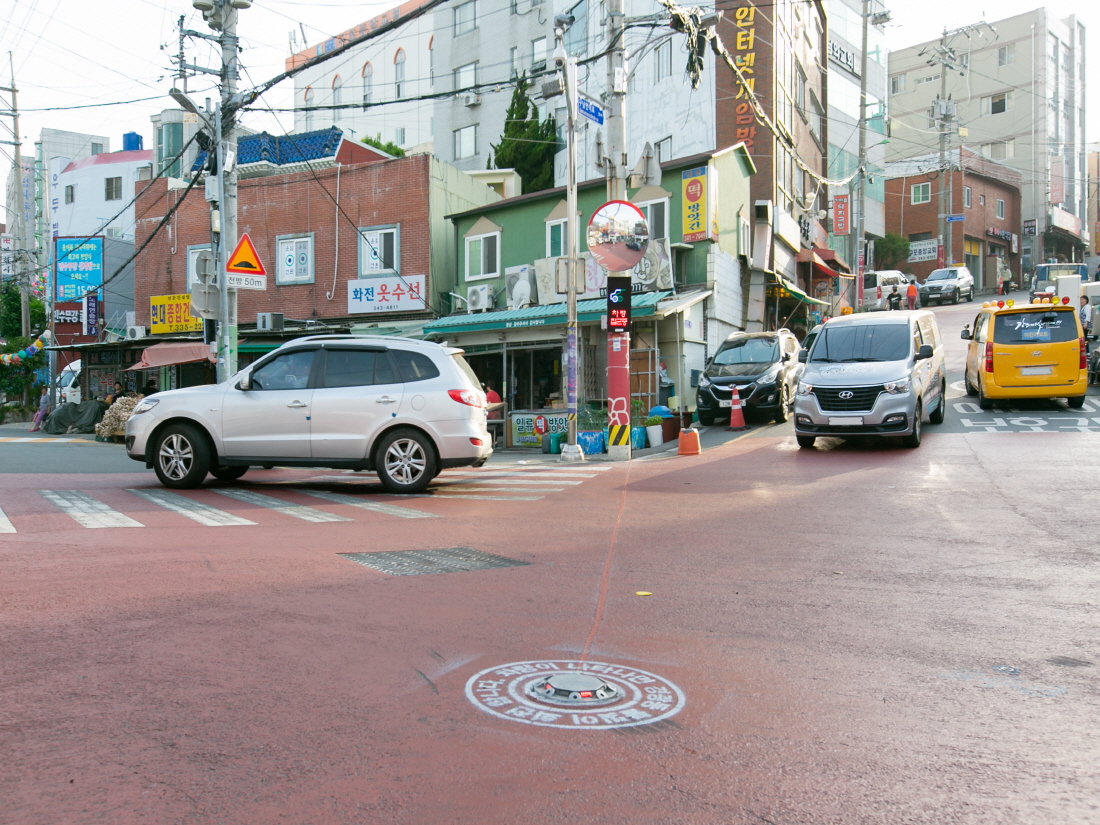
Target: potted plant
(637, 425)
(654, 430)
(591, 432)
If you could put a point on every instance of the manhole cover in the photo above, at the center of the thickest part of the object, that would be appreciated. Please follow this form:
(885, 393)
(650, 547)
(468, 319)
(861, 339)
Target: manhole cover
(630, 697)
(423, 562)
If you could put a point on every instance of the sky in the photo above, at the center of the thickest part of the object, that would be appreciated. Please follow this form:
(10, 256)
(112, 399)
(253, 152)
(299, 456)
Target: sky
(68, 53)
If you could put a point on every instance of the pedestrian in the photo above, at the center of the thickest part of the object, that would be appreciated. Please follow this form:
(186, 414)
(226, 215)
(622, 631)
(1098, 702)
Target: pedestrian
(1096, 277)
(893, 300)
(492, 400)
(149, 389)
(117, 393)
(911, 294)
(43, 410)
(1085, 314)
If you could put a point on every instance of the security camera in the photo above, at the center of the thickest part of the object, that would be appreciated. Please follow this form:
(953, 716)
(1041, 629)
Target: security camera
(564, 21)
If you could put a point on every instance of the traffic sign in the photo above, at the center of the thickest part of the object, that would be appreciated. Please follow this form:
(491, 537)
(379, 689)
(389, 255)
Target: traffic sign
(618, 303)
(245, 260)
(590, 109)
(955, 218)
(236, 281)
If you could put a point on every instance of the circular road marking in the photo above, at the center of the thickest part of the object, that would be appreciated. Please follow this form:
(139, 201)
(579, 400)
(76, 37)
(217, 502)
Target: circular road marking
(502, 691)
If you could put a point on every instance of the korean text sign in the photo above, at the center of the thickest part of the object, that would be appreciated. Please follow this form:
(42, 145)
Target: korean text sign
(79, 267)
(387, 294)
(696, 219)
(744, 55)
(172, 313)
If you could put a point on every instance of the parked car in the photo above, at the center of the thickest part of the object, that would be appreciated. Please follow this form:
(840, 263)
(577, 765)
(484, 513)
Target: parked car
(1044, 283)
(877, 287)
(403, 408)
(952, 284)
(762, 365)
(872, 375)
(1026, 351)
(68, 384)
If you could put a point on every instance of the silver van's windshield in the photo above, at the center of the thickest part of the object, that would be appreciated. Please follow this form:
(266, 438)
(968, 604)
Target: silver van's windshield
(862, 342)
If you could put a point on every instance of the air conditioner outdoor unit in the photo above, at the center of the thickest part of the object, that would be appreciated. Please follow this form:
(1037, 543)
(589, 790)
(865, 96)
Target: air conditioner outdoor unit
(521, 285)
(269, 322)
(133, 332)
(478, 298)
(470, 99)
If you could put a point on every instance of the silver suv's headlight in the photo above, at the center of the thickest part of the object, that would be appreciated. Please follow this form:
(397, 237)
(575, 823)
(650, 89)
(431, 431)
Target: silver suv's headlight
(804, 388)
(704, 381)
(145, 405)
(897, 386)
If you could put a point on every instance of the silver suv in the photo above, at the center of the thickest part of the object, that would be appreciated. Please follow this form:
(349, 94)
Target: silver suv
(403, 408)
(953, 284)
(879, 375)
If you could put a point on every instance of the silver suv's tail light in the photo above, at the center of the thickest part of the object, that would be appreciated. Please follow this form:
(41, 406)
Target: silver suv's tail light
(468, 397)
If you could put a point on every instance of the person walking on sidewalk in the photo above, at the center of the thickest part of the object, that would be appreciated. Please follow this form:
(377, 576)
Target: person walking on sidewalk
(893, 300)
(43, 410)
(911, 294)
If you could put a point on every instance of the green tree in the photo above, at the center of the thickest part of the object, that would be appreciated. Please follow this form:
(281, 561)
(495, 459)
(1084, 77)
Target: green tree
(11, 319)
(526, 145)
(891, 251)
(390, 148)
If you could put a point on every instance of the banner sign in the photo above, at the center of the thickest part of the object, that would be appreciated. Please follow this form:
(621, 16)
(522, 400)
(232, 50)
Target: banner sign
(78, 263)
(172, 313)
(840, 215)
(387, 294)
(920, 251)
(695, 204)
(91, 315)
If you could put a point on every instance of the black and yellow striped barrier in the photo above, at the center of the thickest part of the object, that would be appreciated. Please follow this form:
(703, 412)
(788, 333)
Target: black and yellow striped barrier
(619, 435)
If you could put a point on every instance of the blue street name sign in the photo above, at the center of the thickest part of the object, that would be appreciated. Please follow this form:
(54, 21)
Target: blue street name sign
(955, 218)
(590, 109)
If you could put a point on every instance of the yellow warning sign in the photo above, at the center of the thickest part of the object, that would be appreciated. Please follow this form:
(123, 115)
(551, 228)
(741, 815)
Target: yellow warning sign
(244, 259)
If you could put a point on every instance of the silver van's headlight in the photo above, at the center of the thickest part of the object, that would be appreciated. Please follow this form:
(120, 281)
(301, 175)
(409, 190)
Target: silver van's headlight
(804, 388)
(145, 405)
(897, 386)
(704, 381)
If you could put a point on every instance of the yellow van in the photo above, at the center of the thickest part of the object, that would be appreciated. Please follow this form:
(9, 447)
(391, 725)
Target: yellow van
(1026, 351)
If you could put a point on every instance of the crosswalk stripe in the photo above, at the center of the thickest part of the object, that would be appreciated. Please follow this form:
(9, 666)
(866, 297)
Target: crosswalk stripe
(87, 511)
(442, 494)
(5, 524)
(299, 511)
(35, 440)
(498, 474)
(378, 507)
(508, 480)
(189, 508)
(481, 488)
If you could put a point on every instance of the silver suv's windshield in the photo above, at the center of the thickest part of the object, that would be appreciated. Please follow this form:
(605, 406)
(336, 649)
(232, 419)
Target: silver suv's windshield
(861, 342)
(943, 275)
(747, 351)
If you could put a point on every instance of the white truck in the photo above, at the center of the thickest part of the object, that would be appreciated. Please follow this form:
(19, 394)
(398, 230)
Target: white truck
(67, 384)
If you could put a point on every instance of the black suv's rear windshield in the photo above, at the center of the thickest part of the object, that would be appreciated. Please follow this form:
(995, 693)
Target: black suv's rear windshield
(862, 342)
(747, 351)
(1034, 327)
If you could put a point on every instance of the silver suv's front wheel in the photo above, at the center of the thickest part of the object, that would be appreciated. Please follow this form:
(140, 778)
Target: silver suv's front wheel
(181, 456)
(406, 461)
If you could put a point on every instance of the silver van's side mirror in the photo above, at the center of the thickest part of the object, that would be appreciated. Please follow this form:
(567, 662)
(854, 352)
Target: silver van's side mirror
(925, 352)
(965, 334)
(803, 356)
(245, 382)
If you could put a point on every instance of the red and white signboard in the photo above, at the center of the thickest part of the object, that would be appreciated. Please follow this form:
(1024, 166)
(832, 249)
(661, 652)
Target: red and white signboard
(392, 293)
(840, 214)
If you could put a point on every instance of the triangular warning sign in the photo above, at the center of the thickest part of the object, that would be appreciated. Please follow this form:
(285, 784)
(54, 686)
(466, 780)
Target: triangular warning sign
(244, 259)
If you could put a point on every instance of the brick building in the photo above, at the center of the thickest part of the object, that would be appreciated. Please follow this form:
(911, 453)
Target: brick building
(987, 196)
(334, 238)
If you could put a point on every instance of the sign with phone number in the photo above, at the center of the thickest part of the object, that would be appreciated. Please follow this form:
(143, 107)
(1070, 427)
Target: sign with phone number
(172, 313)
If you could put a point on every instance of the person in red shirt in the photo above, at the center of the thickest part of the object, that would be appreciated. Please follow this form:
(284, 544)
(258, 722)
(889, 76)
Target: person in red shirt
(493, 401)
(911, 294)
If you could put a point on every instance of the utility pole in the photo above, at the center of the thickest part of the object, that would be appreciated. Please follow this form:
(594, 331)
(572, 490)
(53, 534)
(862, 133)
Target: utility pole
(21, 246)
(615, 163)
(861, 198)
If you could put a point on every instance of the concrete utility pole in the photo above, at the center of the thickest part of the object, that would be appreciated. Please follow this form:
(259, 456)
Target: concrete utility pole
(861, 198)
(615, 163)
(22, 247)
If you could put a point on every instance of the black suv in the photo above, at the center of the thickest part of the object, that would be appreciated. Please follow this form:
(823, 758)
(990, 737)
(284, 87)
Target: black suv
(762, 365)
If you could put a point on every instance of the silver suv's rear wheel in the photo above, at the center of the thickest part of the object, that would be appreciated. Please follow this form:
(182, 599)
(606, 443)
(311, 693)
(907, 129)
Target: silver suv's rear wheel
(406, 462)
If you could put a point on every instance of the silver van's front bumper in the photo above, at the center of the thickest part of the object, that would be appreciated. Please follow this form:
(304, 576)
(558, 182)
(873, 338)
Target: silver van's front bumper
(891, 415)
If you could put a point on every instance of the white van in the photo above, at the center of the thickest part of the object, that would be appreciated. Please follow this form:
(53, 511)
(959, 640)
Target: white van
(68, 384)
(877, 286)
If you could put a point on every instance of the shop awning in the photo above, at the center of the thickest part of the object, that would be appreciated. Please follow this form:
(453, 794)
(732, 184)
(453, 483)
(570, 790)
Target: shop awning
(166, 355)
(678, 303)
(795, 292)
(642, 304)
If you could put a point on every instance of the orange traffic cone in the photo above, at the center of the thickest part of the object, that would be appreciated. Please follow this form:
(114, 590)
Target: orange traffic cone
(689, 442)
(737, 418)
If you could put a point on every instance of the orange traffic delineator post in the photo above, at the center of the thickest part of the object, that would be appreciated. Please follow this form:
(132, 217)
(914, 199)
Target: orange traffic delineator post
(737, 418)
(689, 442)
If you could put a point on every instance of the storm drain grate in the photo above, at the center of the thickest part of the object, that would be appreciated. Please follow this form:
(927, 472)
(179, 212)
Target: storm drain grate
(422, 562)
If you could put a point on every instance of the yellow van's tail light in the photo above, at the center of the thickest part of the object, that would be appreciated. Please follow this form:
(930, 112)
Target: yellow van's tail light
(989, 356)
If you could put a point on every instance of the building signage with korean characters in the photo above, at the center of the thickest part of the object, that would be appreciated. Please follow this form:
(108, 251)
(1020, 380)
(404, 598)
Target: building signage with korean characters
(744, 56)
(920, 251)
(79, 267)
(696, 210)
(529, 428)
(841, 217)
(172, 313)
(386, 294)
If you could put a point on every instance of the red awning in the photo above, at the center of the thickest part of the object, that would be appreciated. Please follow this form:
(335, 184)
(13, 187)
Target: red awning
(165, 355)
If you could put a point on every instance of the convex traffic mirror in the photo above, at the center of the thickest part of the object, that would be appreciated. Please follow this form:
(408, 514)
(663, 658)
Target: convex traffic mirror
(618, 236)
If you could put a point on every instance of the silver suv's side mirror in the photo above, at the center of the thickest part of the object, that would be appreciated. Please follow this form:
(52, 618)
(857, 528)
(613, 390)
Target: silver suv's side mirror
(245, 382)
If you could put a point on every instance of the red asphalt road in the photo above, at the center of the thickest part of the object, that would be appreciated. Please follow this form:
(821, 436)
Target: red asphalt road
(835, 619)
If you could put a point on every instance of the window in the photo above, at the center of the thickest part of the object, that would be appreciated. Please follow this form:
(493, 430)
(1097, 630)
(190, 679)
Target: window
(1000, 149)
(656, 215)
(1000, 208)
(663, 55)
(113, 189)
(307, 116)
(169, 144)
(431, 62)
(368, 83)
(466, 17)
(483, 257)
(97, 148)
(414, 366)
(379, 250)
(932, 78)
(920, 236)
(997, 104)
(967, 197)
(284, 372)
(465, 76)
(337, 93)
(294, 259)
(538, 53)
(1006, 54)
(817, 118)
(398, 72)
(69, 193)
(399, 135)
(465, 142)
(555, 238)
(514, 61)
(356, 368)
(897, 84)
(981, 200)
(800, 89)
(664, 149)
(922, 193)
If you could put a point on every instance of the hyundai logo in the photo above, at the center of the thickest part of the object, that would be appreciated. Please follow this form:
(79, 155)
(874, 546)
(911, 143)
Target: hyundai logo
(847, 394)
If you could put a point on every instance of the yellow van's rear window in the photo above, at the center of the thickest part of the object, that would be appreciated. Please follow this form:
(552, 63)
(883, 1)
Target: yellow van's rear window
(1050, 326)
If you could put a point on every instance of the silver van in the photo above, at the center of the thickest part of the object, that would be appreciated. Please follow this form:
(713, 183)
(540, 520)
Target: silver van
(872, 375)
(878, 285)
